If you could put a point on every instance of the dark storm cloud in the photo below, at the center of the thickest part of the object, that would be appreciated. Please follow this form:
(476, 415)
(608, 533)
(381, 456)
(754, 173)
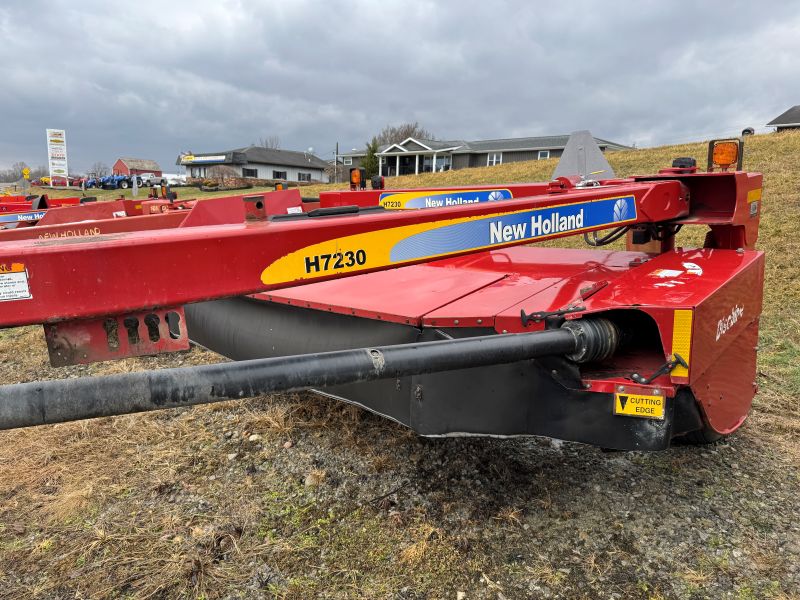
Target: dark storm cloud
(152, 79)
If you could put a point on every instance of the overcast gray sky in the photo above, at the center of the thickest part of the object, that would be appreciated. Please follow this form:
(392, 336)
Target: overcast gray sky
(150, 79)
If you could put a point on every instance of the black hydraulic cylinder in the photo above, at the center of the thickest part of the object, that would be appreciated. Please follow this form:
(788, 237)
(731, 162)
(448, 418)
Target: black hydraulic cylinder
(57, 401)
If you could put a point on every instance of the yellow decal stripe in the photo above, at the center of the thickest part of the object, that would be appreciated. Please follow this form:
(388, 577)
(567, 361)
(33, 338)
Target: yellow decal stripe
(376, 246)
(682, 339)
(754, 195)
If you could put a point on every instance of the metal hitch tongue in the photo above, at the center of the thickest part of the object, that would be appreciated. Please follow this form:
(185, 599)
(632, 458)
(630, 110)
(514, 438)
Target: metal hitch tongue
(57, 401)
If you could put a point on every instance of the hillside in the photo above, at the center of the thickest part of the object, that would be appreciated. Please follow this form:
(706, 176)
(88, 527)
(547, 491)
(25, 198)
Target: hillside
(296, 496)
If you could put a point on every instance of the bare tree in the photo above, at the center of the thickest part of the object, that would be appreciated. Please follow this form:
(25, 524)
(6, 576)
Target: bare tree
(38, 172)
(12, 174)
(273, 142)
(392, 134)
(99, 169)
(222, 171)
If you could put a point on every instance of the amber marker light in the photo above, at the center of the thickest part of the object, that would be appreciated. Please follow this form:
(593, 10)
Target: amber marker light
(725, 154)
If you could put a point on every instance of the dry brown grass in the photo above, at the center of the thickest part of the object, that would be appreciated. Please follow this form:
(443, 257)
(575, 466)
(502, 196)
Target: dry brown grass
(425, 535)
(509, 515)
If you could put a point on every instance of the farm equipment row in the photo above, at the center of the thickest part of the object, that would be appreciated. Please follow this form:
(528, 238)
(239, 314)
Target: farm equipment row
(115, 181)
(18, 211)
(431, 307)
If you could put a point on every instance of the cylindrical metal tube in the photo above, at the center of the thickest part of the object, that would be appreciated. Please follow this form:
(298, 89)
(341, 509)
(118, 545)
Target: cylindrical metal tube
(57, 401)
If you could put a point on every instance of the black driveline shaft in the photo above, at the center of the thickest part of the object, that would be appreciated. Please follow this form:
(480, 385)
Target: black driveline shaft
(57, 401)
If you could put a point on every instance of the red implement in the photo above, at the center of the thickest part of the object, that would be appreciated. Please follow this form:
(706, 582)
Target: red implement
(271, 276)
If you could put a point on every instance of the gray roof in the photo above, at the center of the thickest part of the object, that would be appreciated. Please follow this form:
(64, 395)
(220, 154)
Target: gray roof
(143, 164)
(547, 142)
(790, 117)
(268, 156)
(289, 158)
(524, 143)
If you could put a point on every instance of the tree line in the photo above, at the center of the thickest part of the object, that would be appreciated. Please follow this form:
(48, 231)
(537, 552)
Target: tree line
(14, 173)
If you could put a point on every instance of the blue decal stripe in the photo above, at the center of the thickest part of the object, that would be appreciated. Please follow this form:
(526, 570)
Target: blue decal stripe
(532, 224)
(442, 198)
(18, 217)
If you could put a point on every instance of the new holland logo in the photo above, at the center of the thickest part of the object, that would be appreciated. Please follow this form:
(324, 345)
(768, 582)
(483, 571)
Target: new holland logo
(621, 209)
(496, 195)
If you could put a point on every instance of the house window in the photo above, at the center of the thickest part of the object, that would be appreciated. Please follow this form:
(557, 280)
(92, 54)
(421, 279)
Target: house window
(304, 177)
(544, 154)
(249, 172)
(494, 158)
(347, 160)
(279, 175)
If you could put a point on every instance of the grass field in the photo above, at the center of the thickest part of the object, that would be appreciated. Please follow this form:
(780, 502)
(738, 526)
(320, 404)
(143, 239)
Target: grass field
(292, 496)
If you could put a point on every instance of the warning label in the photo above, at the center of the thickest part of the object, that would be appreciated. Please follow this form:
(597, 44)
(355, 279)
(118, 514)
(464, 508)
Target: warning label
(638, 405)
(14, 282)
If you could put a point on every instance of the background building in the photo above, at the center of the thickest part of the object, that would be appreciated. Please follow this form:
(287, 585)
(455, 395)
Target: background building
(136, 166)
(413, 156)
(788, 120)
(258, 162)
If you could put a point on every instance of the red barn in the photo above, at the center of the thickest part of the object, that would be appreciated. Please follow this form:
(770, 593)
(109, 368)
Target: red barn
(136, 166)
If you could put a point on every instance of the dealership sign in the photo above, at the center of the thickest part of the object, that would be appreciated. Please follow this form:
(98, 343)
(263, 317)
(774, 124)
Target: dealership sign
(57, 153)
(190, 159)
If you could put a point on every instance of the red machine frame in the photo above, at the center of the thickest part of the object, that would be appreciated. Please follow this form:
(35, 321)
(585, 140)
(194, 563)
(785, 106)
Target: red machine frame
(76, 278)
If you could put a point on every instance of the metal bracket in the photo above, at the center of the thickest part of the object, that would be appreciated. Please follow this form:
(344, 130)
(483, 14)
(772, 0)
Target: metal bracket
(109, 338)
(667, 367)
(541, 315)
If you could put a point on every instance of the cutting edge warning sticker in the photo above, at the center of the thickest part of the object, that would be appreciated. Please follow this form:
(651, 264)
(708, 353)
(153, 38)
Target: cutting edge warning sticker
(14, 282)
(639, 405)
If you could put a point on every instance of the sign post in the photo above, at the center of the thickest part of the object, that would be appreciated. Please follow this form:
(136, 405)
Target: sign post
(26, 175)
(57, 154)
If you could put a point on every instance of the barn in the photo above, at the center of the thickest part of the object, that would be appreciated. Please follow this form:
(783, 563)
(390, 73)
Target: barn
(136, 166)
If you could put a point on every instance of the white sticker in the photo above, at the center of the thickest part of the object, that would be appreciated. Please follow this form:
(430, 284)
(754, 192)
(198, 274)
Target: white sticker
(665, 273)
(293, 210)
(14, 283)
(693, 268)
